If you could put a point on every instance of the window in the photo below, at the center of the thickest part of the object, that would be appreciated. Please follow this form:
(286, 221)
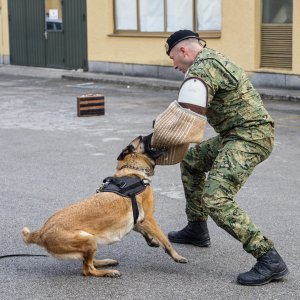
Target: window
(176, 19)
(277, 12)
(166, 16)
(151, 16)
(277, 34)
(209, 15)
(126, 12)
(53, 15)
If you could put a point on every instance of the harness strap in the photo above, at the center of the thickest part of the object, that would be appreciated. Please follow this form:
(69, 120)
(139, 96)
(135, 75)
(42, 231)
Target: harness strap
(135, 209)
(125, 187)
(131, 187)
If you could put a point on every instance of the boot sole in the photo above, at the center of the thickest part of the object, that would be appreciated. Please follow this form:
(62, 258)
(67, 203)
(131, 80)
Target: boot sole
(205, 243)
(275, 276)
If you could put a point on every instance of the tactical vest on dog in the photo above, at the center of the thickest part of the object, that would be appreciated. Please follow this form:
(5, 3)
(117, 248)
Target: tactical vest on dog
(125, 187)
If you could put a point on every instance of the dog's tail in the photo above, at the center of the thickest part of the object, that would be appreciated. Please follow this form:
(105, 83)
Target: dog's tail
(31, 237)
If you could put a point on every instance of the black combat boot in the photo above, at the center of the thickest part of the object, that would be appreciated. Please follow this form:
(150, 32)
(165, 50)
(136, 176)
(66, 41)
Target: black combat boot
(195, 233)
(269, 266)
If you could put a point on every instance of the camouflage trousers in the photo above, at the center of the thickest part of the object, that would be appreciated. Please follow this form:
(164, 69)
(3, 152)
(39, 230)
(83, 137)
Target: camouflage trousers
(212, 173)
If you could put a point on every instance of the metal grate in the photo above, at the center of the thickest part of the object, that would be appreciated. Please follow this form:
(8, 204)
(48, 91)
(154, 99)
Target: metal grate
(276, 46)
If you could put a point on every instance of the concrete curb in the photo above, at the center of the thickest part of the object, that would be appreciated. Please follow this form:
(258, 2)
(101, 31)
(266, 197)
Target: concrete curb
(266, 93)
(125, 80)
(279, 95)
(280, 98)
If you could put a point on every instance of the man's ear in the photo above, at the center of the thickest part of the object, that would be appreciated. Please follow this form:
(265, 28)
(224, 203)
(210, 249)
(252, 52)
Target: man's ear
(182, 50)
(128, 150)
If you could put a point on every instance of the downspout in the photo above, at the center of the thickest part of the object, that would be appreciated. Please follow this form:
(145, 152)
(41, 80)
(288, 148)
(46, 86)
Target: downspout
(1, 35)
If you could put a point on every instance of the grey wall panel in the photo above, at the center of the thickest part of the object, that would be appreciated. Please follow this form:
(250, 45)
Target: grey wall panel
(17, 32)
(26, 28)
(35, 19)
(55, 49)
(75, 34)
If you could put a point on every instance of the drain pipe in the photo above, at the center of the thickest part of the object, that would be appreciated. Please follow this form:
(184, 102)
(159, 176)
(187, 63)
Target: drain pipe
(1, 35)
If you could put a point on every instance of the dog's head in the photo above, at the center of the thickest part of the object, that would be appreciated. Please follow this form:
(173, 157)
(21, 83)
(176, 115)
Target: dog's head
(141, 147)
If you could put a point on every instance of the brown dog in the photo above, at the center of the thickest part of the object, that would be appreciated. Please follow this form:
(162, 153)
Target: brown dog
(106, 217)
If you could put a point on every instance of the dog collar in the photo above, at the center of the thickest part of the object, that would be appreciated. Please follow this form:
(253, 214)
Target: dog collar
(146, 171)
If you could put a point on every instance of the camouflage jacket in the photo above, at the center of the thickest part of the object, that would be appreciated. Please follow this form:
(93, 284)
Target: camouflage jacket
(235, 109)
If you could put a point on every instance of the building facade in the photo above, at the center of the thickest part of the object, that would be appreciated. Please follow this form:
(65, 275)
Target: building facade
(128, 36)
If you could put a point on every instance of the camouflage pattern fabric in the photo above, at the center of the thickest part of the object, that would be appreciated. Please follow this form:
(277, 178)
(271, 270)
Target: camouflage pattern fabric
(214, 171)
(234, 106)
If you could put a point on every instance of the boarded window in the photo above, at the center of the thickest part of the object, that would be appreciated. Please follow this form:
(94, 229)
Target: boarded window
(277, 34)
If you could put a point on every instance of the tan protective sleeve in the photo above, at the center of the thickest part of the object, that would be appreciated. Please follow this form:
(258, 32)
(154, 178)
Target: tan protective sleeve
(175, 129)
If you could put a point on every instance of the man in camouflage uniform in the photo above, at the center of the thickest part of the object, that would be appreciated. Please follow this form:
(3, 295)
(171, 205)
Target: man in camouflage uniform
(245, 138)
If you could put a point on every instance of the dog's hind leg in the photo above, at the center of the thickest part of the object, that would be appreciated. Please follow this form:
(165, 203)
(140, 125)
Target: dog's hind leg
(88, 249)
(105, 262)
(90, 270)
(150, 226)
(80, 244)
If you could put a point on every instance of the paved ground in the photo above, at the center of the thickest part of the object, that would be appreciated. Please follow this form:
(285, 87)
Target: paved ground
(51, 158)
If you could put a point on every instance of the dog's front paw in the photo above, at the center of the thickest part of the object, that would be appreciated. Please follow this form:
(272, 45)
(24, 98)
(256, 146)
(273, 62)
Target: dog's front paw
(181, 259)
(153, 243)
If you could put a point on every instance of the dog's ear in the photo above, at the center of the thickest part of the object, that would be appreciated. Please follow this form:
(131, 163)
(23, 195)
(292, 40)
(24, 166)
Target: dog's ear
(128, 150)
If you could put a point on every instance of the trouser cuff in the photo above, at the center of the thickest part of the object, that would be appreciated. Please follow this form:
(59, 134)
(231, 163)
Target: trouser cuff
(262, 248)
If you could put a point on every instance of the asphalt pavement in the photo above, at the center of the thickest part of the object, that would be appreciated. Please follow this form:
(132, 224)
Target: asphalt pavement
(51, 158)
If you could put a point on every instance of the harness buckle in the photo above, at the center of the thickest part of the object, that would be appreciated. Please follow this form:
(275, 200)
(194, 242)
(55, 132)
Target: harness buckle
(100, 188)
(103, 185)
(119, 183)
(122, 185)
(146, 181)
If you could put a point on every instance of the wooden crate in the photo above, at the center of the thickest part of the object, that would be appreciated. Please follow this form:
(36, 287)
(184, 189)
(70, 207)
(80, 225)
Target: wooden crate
(90, 105)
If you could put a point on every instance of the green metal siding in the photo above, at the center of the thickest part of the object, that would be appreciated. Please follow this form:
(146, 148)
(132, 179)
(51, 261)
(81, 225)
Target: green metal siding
(35, 26)
(55, 49)
(26, 28)
(17, 32)
(75, 34)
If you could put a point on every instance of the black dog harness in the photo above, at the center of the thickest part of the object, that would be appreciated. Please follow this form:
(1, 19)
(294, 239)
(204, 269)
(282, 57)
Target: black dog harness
(125, 187)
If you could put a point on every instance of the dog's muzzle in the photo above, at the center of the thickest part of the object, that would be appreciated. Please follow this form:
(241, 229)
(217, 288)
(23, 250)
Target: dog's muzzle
(154, 153)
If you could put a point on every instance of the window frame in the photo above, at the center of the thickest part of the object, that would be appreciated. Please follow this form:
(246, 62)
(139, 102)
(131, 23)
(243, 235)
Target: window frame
(165, 33)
